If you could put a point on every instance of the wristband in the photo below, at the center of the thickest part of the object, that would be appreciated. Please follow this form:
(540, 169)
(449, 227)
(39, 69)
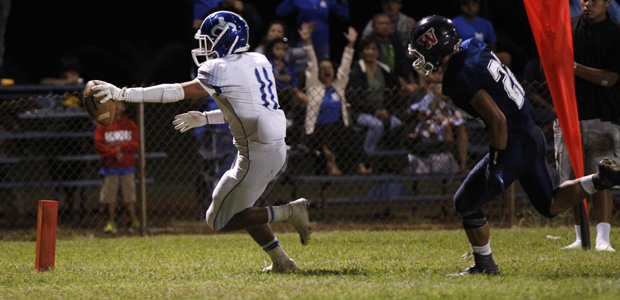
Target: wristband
(214, 117)
(496, 158)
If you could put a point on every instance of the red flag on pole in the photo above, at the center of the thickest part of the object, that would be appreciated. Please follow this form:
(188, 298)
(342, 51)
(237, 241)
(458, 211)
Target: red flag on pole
(550, 22)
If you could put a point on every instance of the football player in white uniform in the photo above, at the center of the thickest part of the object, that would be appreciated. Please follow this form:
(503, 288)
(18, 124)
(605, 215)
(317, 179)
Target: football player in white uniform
(243, 86)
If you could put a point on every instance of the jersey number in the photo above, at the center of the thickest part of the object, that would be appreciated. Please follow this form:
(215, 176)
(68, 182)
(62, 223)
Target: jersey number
(266, 88)
(511, 85)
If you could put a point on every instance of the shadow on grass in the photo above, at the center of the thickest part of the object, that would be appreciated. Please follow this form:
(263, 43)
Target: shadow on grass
(326, 272)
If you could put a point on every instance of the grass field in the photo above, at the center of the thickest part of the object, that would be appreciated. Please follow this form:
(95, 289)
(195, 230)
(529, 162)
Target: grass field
(336, 265)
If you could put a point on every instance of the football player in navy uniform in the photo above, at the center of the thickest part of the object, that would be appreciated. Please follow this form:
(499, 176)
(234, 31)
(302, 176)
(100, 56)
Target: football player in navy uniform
(243, 86)
(480, 85)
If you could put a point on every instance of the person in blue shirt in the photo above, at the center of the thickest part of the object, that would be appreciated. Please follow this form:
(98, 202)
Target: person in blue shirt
(470, 25)
(202, 8)
(317, 11)
(283, 70)
(484, 88)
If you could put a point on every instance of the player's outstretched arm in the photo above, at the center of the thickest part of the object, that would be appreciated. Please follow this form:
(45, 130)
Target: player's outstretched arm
(161, 93)
(193, 119)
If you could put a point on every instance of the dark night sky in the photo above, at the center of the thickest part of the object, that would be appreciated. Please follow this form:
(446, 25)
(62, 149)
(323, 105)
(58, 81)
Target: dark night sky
(133, 41)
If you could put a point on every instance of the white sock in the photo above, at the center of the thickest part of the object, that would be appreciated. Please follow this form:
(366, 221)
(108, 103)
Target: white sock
(577, 233)
(602, 233)
(279, 213)
(275, 251)
(587, 184)
(482, 250)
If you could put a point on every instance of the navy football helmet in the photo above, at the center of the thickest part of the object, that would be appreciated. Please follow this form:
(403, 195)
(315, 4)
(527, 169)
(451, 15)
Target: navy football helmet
(430, 41)
(221, 33)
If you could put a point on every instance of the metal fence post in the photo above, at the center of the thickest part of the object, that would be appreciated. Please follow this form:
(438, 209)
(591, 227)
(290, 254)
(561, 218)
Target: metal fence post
(141, 168)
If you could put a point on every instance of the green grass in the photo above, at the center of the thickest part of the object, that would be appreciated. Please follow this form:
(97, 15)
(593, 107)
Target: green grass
(336, 265)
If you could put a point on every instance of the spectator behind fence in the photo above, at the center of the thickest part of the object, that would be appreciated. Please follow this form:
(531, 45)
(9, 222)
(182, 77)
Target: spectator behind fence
(287, 85)
(470, 25)
(317, 11)
(116, 145)
(69, 72)
(239, 83)
(401, 23)
(327, 122)
(371, 84)
(201, 10)
(247, 11)
(596, 40)
(391, 52)
(295, 55)
(537, 90)
(276, 29)
(437, 127)
(283, 70)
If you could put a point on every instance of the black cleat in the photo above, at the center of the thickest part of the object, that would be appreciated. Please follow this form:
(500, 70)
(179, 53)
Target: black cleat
(484, 264)
(608, 175)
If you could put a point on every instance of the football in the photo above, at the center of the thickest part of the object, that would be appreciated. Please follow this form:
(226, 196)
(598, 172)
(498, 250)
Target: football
(102, 113)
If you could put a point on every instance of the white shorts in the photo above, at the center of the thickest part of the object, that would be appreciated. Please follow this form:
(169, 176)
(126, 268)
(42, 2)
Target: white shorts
(242, 185)
(598, 140)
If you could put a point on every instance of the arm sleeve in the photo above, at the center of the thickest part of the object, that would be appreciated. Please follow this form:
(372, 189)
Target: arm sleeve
(215, 117)
(312, 71)
(345, 65)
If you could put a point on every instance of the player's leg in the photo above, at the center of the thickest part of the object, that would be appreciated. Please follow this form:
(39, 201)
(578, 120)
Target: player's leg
(128, 191)
(601, 215)
(565, 172)
(468, 200)
(235, 194)
(280, 261)
(374, 131)
(601, 140)
(604, 173)
(107, 196)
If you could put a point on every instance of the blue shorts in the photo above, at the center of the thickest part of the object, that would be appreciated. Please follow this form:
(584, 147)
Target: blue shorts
(524, 160)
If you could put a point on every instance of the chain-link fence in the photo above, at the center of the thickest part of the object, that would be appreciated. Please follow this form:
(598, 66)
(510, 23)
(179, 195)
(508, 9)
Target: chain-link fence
(398, 167)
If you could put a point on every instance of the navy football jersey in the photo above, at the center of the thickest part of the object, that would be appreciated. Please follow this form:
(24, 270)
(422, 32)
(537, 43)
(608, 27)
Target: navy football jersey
(476, 68)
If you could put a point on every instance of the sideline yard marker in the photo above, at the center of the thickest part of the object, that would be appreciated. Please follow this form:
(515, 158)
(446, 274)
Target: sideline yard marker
(46, 234)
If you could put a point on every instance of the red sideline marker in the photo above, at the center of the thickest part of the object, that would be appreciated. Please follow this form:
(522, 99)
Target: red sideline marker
(46, 234)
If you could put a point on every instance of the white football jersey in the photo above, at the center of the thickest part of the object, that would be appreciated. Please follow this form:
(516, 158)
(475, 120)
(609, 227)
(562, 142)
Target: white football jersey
(244, 89)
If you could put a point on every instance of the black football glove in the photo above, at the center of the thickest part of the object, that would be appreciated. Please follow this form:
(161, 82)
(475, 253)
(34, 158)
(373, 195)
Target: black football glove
(495, 171)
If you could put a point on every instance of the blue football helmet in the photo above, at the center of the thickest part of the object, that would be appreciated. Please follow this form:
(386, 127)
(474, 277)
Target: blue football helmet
(430, 41)
(221, 33)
